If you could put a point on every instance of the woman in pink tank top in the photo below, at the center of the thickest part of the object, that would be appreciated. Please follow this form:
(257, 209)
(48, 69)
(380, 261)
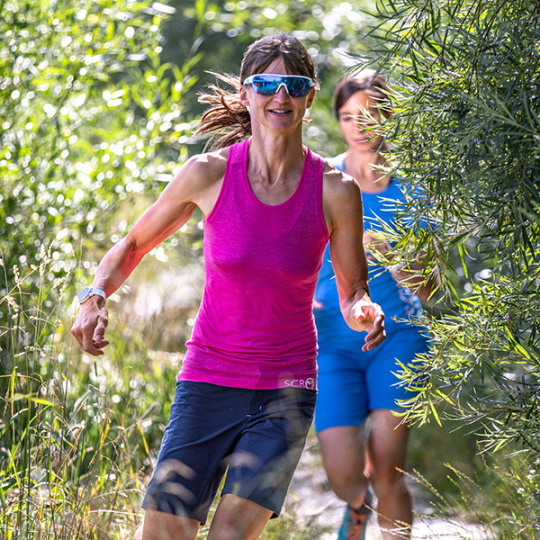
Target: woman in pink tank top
(246, 391)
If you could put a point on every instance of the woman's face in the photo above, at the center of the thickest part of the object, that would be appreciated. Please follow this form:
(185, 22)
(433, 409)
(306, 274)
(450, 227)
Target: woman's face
(279, 112)
(360, 121)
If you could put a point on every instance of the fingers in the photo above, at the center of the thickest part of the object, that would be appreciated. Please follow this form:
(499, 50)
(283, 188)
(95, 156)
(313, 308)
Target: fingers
(376, 331)
(98, 345)
(102, 323)
(374, 340)
(89, 331)
(376, 336)
(366, 313)
(90, 346)
(358, 311)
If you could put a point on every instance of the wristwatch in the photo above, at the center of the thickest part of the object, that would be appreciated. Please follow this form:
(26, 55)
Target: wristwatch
(88, 292)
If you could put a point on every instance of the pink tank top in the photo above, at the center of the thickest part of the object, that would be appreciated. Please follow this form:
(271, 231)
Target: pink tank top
(255, 326)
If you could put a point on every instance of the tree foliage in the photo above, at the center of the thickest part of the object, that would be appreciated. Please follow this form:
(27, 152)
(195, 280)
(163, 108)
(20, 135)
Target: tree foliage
(87, 120)
(467, 134)
(85, 111)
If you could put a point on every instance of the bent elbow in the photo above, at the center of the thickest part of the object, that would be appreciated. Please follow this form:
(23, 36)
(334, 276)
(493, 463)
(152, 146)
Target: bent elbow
(133, 248)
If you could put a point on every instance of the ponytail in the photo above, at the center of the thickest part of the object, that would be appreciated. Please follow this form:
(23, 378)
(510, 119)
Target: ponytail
(226, 119)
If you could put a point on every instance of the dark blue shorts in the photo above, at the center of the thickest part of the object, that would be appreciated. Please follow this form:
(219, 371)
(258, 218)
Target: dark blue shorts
(258, 435)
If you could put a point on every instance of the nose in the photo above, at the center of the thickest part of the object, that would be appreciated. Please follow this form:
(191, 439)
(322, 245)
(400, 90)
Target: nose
(282, 94)
(363, 124)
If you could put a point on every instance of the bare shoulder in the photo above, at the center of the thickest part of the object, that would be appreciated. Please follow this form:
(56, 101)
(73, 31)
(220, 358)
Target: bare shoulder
(211, 163)
(198, 181)
(202, 171)
(342, 199)
(339, 186)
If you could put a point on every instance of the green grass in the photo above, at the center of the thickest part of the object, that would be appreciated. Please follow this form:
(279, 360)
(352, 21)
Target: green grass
(79, 435)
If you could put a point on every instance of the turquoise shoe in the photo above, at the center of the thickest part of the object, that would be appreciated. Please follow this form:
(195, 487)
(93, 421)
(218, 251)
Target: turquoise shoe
(354, 523)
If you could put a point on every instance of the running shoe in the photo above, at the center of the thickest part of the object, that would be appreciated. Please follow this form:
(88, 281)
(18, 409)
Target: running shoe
(354, 523)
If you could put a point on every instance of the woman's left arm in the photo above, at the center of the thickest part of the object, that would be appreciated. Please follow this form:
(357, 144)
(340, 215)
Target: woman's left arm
(342, 204)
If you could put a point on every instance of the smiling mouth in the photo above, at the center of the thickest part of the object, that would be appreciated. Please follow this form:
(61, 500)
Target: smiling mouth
(280, 111)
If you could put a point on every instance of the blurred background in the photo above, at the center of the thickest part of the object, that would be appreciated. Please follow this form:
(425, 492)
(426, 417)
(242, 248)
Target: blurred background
(98, 103)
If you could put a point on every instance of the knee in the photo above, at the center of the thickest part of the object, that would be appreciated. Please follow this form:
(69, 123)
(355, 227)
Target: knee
(162, 526)
(348, 486)
(238, 518)
(388, 480)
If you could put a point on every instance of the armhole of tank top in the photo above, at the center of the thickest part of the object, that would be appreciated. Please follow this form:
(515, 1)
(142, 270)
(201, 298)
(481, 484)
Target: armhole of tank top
(338, 162)
(318, 163)
(233, 153)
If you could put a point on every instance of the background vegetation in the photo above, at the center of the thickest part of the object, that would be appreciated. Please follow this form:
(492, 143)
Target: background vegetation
(467, 135)
(97, 105)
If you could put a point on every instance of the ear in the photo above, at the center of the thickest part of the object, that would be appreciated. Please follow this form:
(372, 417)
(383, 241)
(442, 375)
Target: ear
(243, 97)
(310, 98)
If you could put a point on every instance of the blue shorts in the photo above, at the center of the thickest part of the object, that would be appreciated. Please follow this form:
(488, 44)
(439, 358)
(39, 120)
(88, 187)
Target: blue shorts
(258, 435)
(351, 383)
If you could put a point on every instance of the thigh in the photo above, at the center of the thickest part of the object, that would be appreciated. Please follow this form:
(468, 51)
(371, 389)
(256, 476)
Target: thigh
(342, 398)
(204, 423)
(342, 451)
(269, 448)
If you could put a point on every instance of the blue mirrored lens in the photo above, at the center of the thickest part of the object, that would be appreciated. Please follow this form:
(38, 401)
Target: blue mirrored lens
(266, 88)
(298, 87)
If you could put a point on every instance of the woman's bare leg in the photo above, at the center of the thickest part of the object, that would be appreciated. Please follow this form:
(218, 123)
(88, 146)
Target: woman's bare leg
(386, 448)
(163, 526)
(342, 450)
(238, 519)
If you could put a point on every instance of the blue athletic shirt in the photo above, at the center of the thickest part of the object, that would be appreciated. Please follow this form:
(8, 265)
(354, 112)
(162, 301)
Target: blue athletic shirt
(395, 300)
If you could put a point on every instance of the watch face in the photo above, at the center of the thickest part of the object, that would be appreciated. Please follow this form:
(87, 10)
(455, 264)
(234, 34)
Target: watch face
(83, 294)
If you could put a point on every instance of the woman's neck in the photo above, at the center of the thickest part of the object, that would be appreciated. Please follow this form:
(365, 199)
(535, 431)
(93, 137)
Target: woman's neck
(276, 158)
(275, 168)
(364, 167)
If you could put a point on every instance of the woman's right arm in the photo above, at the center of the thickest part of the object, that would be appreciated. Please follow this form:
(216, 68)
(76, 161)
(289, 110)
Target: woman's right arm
(197, 184)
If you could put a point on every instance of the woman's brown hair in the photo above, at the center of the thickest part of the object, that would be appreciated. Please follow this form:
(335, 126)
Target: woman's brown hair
(368, 80)
(227, 119)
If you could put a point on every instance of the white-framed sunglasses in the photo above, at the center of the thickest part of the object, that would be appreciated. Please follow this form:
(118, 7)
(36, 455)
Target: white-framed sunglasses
(268, 84)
